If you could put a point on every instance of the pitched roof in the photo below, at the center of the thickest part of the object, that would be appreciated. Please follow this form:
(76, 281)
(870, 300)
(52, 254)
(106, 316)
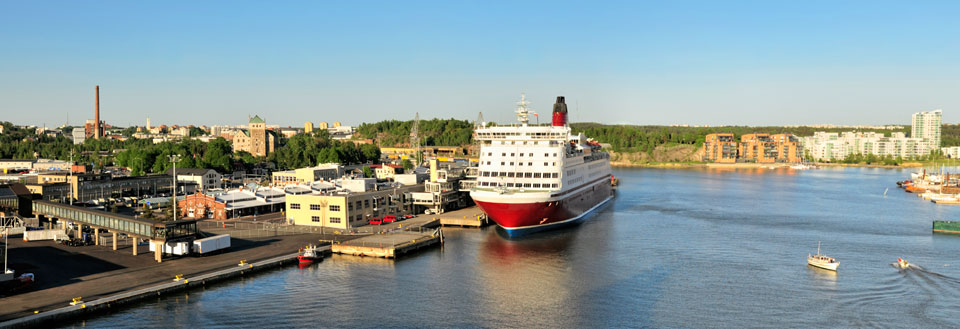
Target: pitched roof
(256, 119)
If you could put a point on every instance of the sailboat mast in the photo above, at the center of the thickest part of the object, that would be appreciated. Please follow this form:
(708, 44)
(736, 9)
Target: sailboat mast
(818, 247)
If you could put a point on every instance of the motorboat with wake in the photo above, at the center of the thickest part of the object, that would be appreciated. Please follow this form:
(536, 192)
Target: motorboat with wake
(902, 263)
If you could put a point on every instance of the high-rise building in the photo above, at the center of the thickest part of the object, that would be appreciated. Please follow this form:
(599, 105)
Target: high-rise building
(926, 125)
(308, 127)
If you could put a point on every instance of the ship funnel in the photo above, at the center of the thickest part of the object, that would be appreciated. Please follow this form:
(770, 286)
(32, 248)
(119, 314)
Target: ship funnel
(560, 112)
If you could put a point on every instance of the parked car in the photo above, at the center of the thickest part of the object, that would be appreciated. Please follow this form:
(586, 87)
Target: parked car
(407, 216)
(389, 219)
(376, 221)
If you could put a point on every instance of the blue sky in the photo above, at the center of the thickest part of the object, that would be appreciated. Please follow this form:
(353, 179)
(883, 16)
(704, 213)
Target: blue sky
(670, 62)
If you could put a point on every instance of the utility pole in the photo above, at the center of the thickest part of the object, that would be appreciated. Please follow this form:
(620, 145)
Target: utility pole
(174, 158)
(6, 235)
(71, 178)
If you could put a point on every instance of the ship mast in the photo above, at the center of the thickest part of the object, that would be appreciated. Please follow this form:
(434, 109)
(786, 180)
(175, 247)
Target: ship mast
(523, 114)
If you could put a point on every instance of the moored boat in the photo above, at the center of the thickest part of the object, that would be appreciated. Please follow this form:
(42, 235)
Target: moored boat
(946, 226)
(312, 253)
(822, 261)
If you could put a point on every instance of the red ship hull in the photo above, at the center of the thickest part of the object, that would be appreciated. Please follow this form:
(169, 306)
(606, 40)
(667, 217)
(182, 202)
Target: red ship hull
(522, 218)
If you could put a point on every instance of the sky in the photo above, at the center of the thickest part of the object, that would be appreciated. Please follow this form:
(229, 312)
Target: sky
(632, 62)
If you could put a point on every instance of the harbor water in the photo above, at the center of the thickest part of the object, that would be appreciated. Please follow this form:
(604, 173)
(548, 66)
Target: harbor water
(676, 248)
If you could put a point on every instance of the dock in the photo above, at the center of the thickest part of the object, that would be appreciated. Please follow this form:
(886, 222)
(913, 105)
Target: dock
(389, 245)
(946, 226)
(81, 308)
(466, 217)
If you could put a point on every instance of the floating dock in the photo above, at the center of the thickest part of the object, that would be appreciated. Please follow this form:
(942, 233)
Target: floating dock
(389, 245)
(946, 226)
(466, 217)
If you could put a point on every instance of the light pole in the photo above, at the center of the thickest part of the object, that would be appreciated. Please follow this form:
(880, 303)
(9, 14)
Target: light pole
(71, 181)
(174, 159)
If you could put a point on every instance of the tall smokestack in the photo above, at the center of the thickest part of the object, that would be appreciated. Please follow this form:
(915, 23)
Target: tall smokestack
(560, 112)
(96, 115)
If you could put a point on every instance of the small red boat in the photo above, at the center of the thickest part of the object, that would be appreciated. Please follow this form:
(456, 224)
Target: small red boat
(309, 255)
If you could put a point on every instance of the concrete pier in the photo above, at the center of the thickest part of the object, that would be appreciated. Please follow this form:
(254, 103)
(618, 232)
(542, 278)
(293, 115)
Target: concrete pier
(104, 304)
(466, 217)
(389, 245)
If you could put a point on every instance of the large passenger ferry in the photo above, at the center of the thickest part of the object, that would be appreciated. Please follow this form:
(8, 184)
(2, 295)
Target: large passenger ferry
(534, 177)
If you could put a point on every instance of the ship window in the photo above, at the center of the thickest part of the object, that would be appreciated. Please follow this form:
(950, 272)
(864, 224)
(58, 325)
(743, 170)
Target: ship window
(531, 154)
(510, 174)
(521, 163)
(521, 154)
(488, 162)
(526, 185)
(545, 164)
(509, 184)
(546, 155)
(529, 163)
(503, 154)
(536, 175)
(528, 175)
(554, 164)
(490, 153)
(502, 163)
(513, 154)
(554, 154)
(511, 163)
(553, 185)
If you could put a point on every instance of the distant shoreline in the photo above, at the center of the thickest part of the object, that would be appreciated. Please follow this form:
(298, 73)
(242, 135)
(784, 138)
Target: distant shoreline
(688, 165)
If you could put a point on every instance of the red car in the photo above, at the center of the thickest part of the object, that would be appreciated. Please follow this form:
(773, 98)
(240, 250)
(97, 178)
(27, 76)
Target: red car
(376, 221)
(389, 219)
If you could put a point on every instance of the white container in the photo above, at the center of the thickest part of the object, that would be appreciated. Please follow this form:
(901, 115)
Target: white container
(211, 244)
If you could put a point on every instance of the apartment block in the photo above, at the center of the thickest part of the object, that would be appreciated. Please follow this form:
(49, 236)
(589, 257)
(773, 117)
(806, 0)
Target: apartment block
(721, 148)
(759, 148)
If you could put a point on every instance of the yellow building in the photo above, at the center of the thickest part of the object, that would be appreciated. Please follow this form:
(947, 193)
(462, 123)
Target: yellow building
(336, 124)
(323, 125)
(308, 127)
(341, 209)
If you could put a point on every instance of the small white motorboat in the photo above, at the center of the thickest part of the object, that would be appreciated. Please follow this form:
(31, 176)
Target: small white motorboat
(822, 261)
(902, 263)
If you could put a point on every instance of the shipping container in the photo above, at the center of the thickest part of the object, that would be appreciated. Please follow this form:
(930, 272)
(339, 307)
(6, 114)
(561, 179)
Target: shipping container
(211, 244)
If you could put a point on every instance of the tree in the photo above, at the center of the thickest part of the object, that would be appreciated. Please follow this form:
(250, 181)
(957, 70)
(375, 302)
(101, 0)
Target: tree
(407, 165)
(367, 172)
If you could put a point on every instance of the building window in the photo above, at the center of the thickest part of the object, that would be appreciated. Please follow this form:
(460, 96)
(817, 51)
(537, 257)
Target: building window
(546, 155)
(536, 175)
(545, 164)
(358, 205)
(334, 220)
(521, 154)
(521, 163)
(553, 185)
(366, 203)
(512, 154)
(531, 154)
(334, 207)
(349, 206)
(294, 206)
(529, 163)
(315, 219)
(315, 207)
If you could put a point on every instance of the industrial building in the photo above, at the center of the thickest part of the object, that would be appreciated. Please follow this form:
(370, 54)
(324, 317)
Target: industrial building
(205, 179)
(90, 186)
(231, 204)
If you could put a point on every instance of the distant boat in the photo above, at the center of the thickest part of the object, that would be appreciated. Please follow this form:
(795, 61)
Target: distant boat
(822, 261)
(312, 253)
(902, 263)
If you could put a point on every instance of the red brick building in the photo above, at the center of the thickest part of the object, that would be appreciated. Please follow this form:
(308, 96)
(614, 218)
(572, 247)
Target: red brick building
(199, 206)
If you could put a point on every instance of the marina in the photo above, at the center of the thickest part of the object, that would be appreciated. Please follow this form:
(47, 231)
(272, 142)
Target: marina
(390, 245)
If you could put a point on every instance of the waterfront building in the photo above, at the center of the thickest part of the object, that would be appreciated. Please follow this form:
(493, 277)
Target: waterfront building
(926, 126)
(952, 152)
(205, 179)
(323, 171)
(347, 203)
(759, 148)
(720, 148)
(256, 139)
(232, 204)
(824, 146)
(789, 148)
